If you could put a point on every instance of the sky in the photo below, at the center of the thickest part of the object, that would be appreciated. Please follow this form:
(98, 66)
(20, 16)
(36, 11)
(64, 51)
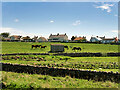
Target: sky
(73, 18)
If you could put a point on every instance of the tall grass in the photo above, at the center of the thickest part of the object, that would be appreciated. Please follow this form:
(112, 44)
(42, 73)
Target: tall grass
(22, 80)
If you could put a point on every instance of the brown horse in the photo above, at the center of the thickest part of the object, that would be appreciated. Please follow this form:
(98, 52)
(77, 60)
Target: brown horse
(76, 48)
(66, 47)
(36, 46)
(43, 46)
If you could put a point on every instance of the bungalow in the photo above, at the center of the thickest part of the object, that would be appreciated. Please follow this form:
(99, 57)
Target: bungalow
(15, 37)
(58, 38)
(41, 39)
(110, 40)
(80, 39)
(6, 39)
(27, 39)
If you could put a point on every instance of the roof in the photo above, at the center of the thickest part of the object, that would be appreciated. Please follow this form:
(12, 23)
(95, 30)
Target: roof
(98, 38)
(57, 44)
(57, 36)
(78, 38)
(109, 39)
(16, 36)
(43, 38)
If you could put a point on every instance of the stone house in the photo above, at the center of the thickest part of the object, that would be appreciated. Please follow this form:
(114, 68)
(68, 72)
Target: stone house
(58, 38)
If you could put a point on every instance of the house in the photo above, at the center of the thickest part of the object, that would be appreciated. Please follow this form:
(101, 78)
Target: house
(80, 39)
(96, 39)
(6, 39)
(42, 39)
(57, 48)
(27, 39)
(35, 38)
(110, 40)
(58, 38)
(15, 37)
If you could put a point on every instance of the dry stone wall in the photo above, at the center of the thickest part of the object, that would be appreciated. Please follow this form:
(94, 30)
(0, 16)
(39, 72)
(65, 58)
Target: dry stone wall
(74, 73)
(70, 54)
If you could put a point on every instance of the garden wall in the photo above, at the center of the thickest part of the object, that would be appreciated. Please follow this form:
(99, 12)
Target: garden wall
(74, 73)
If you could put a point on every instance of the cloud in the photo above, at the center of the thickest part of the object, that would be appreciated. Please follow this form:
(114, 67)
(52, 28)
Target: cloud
(51, 21)
(16, 20)
(114, 31)
(77, 22)
(105, 7)
(43, 0)
(14, 31)
(115, 15)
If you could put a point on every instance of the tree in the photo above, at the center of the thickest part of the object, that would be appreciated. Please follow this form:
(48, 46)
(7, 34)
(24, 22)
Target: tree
(73, 37)
(5, 34)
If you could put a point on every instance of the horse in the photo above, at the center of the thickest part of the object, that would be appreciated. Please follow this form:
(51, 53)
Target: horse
(76, 48)
(66, 47)
(36, 46)
(43, 46)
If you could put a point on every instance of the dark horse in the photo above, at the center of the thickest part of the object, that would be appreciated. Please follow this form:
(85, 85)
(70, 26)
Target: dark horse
(66, 47)
(76, 48)
(36, 46)
(43, 46)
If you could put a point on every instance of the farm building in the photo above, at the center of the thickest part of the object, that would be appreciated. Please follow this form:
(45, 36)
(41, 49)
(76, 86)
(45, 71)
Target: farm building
(57, 48)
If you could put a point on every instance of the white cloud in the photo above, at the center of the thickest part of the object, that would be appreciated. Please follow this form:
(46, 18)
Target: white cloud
(51, 21)
(16, 20)
(106, 7)
(43, 0)
(77, 22)
(115, 15)
(114, 31)
(14, 31)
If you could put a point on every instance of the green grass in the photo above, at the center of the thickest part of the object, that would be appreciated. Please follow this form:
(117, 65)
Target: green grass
(65, 61)
(22, 80)
(25, 47)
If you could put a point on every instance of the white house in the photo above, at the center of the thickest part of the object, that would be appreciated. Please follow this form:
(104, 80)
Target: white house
(95, 39)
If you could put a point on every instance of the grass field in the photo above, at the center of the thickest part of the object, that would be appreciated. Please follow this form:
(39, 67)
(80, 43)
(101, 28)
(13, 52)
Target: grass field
(15, 80)
(65, 61)
(25, 47)
(22, 80)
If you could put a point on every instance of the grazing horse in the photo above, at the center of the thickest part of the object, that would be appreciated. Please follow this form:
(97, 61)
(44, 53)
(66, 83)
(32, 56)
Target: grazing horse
(76, 48)
(43, 46)
(36, 46)
(66, 47)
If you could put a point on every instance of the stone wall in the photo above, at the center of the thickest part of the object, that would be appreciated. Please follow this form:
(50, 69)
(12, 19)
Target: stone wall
(74, 73)
(85, 54)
